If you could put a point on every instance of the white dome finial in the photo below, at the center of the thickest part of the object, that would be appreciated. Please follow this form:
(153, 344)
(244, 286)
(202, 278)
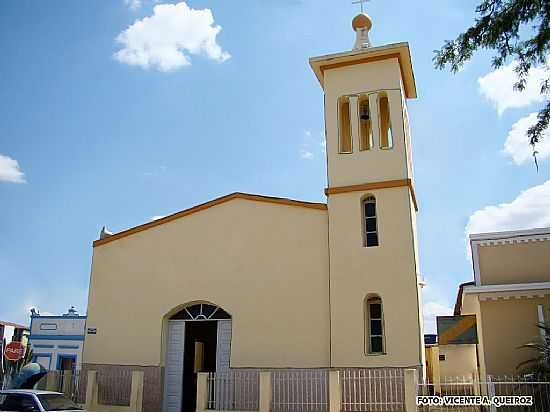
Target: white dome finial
(362, 23)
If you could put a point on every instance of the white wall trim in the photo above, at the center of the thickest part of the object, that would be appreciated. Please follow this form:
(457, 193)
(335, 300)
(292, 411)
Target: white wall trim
(540, 233)
(475, 261)
(510, 287)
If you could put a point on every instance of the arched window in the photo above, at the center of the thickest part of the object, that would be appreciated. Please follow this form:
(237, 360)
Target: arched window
(386, 137)
(375, 341)
(370, 225)
(201, 311)
(365, 125)
(344, 125)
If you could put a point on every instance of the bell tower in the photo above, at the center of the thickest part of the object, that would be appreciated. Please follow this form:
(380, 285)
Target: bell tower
(375, 302)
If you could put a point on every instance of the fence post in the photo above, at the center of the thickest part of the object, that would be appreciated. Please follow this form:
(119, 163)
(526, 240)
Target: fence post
(491, 391)
(67, 382)
(334, 391)
(410, 389)
(475, 381)
(265, 391)
(136, 394)
(202, 391)
(91, 390)
(52, 381)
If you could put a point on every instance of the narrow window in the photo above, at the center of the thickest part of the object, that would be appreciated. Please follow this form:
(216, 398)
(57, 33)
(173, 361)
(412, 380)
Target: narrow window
(386, 137)
(365, 125)
(371, 228)
(345, 125)
(375, 326)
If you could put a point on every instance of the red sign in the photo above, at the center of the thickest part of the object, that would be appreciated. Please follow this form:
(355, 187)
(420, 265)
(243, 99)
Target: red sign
(14, 351)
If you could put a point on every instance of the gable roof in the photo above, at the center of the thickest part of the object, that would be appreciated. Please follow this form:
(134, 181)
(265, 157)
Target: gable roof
(207, 205)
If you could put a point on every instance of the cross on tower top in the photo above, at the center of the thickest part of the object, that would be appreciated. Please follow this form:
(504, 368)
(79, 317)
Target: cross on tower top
(360, 2)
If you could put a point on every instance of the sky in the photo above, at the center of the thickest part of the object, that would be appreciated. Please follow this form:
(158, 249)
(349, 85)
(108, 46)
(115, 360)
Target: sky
(118, 112)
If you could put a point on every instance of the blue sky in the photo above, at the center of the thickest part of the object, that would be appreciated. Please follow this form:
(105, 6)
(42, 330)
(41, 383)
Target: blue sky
(114, 112)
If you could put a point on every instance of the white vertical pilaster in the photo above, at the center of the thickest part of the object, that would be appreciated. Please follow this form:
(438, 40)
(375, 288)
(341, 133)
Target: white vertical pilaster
(136, 394)
(202, 391)
(411, 377)
(374, 120)
(334, 391)
(91, 390)
(265, 391)
(396, 118)
(354, 119)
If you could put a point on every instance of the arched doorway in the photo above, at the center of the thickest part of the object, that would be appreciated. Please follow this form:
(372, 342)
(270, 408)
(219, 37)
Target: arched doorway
(198, 340)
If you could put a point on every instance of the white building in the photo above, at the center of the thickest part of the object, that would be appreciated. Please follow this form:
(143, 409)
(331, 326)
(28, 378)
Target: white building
(57, 340)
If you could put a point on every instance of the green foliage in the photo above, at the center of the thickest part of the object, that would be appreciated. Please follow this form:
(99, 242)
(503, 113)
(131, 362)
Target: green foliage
(539, 365)
(516, 29)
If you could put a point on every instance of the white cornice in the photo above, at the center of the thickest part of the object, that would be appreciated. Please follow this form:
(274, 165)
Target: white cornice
(542, 233)
(503, 238)
(510, 287)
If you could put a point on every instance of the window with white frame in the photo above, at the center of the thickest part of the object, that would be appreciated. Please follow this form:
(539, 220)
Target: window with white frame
(375, 341)
(48, 326)
(370, 225)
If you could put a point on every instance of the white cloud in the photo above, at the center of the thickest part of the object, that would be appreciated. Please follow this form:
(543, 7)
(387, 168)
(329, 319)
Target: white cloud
(10, 171)
(431, 311)
(517, 143)
(157, 217)
(133, 4)
(531, 209)
(309, 145)
(165, 40)
(498, 87)
(436, 297)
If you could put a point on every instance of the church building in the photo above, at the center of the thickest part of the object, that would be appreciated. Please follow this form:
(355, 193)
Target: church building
(256, 282)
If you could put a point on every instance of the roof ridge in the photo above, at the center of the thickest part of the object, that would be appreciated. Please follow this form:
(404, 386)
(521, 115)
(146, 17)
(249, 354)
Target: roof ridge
(207, 205)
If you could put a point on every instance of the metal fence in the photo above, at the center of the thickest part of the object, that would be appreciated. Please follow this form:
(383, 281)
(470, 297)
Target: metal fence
(505, 386)
(234, 390)
(457, 386)
(299, 390)
(71, 383)
(373, 390)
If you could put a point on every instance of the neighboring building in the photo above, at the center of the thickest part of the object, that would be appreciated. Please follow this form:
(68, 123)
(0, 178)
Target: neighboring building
(13, 332)
(510, 296)
(431, 354)
(57, 340)
(9, 332)
(250, 281)
(453, 352)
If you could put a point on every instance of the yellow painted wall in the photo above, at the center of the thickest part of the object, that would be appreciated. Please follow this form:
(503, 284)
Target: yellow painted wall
(391, 269)
(432, 363)
(514, 263)
(508, 324)
(460, 361)
(265, 264)
(387, 270)
(369, 165)
(268, 265)
(470, 306)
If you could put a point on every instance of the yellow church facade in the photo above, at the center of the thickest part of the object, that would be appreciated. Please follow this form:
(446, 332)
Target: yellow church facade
(248, 281)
